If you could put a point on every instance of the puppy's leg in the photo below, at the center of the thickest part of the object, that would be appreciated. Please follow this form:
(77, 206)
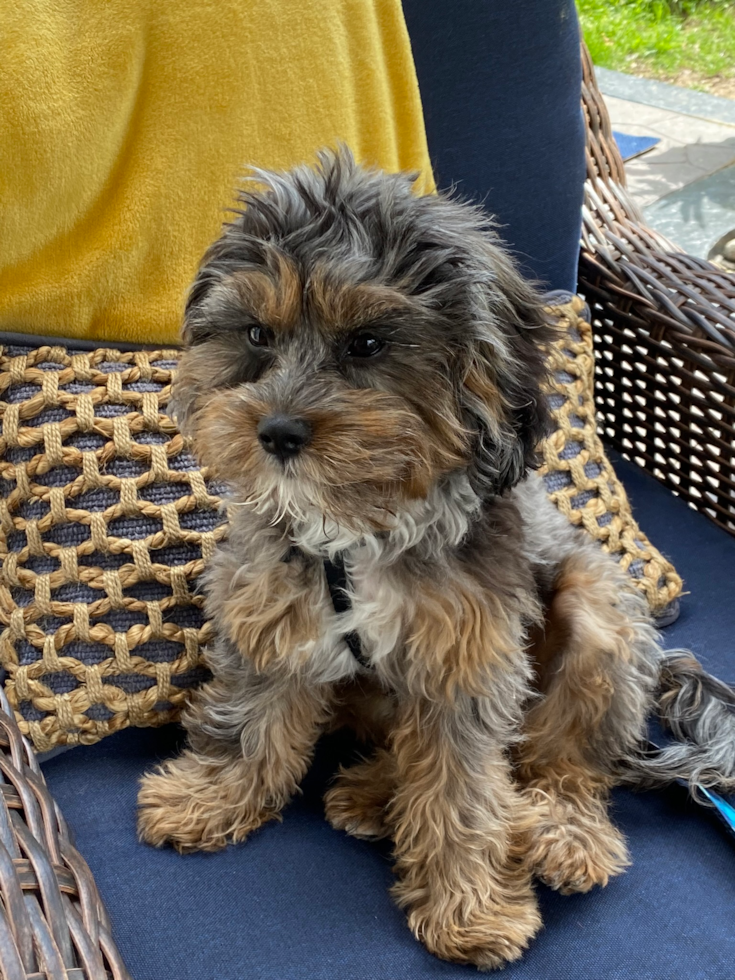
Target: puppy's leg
(358, 800)
(251, 743)
(597, 679)
(457, 820)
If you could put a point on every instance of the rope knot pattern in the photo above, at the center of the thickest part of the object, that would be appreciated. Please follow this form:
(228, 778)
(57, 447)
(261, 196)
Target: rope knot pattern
(106, 521)
(576, 471)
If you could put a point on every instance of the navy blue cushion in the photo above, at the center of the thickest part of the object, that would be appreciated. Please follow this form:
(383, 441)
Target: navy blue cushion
(301, 900)
(500, 85)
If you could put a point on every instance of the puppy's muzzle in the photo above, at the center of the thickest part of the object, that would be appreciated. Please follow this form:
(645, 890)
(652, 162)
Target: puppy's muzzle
(283, 436)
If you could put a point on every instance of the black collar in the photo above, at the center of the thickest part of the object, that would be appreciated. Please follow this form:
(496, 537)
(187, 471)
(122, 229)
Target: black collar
(336, 575)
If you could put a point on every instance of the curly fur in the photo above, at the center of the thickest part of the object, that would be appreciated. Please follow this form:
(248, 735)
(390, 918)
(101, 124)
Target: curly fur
(699, 710)
(511, 664)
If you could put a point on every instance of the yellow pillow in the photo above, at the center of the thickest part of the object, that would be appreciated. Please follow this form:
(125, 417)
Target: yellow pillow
(125, 125)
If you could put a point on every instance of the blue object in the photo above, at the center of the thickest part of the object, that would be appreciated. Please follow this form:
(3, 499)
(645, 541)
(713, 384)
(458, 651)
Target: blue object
(718, 805)
(725, 810)
(633, 146)
(500, 84)
(299, 901)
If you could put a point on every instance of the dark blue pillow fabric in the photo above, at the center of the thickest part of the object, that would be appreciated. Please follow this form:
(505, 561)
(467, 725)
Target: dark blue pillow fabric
(500, 84)
(299, 901)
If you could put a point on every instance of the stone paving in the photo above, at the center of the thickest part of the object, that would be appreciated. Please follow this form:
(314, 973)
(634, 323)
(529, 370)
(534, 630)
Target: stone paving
(686, 183)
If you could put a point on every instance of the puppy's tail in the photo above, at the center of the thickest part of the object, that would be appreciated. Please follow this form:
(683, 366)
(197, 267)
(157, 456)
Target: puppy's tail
(699, 711)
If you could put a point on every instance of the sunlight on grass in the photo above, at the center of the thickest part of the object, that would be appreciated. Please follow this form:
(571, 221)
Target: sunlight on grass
(690, 41)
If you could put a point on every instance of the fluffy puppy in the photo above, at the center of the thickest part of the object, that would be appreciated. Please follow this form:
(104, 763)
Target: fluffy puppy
(363, 369)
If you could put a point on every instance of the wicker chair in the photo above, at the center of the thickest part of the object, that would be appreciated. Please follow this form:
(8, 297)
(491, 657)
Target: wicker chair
(665, 329)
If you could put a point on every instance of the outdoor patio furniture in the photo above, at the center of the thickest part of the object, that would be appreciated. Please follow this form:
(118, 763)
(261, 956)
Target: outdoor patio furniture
(300, 900)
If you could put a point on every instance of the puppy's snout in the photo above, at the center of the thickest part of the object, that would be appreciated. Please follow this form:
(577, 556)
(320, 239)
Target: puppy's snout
(283, 436)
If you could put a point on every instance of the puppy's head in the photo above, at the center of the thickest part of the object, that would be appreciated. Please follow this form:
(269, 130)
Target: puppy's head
(349, 344)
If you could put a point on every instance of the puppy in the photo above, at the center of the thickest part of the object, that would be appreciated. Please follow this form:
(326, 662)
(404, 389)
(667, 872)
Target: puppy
(363, 369)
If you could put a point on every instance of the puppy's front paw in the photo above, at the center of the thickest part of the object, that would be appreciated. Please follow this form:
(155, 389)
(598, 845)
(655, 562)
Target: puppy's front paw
(357, 802)
(488, 935)
(487, 919)
(574, 848)
(195, 806)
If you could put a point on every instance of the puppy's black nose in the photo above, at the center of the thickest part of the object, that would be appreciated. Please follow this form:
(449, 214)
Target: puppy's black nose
(283, 436)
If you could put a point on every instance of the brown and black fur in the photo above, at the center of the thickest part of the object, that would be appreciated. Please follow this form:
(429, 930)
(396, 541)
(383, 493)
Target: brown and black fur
(511, 664)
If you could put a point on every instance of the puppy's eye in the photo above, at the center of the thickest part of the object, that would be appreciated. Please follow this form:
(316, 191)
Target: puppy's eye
(365, 345)
(259, 337)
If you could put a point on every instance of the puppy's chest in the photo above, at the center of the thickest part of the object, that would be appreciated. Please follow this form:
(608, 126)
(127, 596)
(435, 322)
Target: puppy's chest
(364, 617)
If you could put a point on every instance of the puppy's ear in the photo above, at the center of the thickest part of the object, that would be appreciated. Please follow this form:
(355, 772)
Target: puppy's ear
(502, 397)
(197, 371)
(212, 271)
(209, 352)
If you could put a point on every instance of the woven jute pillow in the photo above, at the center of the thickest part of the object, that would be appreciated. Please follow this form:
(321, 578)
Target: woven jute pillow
(578, 475)
(107, 523)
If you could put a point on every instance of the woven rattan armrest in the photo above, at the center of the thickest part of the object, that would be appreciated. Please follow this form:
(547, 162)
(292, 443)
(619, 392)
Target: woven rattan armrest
(664, 325)
(53, 925)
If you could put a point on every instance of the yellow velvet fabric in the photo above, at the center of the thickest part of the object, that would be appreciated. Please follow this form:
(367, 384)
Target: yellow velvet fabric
(125, 125)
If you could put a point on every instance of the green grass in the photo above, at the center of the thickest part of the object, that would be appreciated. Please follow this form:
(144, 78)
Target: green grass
(663, 38)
